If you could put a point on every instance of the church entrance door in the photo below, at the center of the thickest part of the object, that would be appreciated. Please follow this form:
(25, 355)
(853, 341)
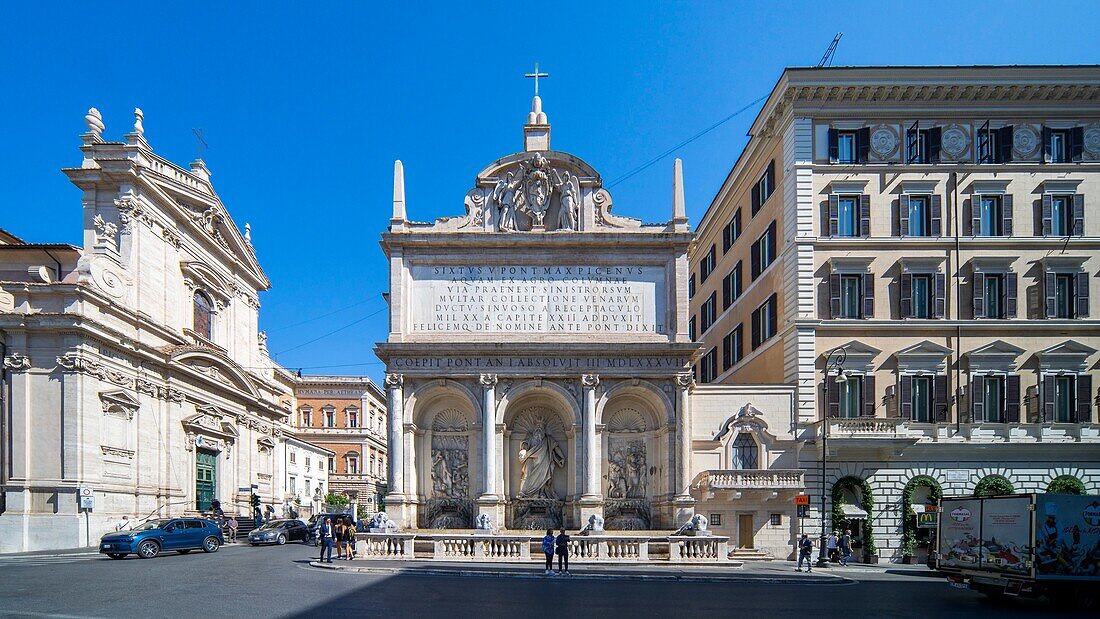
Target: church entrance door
(206, 472)
(744, 531)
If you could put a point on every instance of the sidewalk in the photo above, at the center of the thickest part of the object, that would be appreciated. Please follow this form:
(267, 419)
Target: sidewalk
(756, 573)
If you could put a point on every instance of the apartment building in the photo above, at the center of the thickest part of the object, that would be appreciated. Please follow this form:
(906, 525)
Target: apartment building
(346, 415)
(940, 227)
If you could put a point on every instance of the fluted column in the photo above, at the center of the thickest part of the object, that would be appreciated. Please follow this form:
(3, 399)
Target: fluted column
(396, 472)
(684, 381)
(591, 452)
(488, 436)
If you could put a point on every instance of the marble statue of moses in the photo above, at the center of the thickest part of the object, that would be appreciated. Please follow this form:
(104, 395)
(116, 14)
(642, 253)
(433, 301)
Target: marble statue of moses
(539, 455)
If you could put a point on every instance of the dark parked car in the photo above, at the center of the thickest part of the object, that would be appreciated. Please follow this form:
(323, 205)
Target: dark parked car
(279, 532)
(147, 541)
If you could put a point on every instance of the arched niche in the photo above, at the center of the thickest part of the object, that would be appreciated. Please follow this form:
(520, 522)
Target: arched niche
(445, 460)
(632, 467)
(541, 472)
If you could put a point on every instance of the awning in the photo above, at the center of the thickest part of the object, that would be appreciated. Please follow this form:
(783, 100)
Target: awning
(852, 511)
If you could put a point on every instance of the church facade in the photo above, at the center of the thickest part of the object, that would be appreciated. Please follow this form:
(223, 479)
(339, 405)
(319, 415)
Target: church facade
(538, 354)
(133, 365)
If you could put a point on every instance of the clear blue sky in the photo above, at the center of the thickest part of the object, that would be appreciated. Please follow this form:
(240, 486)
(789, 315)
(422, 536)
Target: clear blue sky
(306, 106)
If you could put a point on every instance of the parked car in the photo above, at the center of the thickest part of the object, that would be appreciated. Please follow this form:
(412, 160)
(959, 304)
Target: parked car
(279, 532)
(148, 540)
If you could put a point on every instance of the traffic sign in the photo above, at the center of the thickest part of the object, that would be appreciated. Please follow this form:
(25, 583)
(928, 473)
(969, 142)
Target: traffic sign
(87, 502)
(85, 491)
(802, 499)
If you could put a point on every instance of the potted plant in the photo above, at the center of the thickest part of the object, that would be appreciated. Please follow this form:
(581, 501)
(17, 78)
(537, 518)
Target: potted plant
(908, 546)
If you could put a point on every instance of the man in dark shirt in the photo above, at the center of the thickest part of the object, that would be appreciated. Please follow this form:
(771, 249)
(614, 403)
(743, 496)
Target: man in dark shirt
(562, 550)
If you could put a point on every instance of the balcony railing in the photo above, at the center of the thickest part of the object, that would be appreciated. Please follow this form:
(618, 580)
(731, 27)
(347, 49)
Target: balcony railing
(751, 479)
(866, 427)
(904, 430)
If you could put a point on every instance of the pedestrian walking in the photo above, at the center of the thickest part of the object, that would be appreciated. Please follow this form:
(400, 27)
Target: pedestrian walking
(548, 550)
(805, 553)
(231, 524)
(846, 547)
(325, 534)
(124, 525)
(561, 548)
(831, 547)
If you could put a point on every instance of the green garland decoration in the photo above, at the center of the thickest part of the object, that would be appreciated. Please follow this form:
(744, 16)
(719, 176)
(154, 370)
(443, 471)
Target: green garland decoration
(1066, 484)
(993, 485)
(909, 520)
(867, 502)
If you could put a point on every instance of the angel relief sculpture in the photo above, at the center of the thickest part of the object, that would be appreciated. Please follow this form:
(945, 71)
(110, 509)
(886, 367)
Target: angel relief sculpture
(528, 189)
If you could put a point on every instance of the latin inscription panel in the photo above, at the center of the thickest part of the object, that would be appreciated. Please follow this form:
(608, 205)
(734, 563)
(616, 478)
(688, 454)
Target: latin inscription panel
(538, 299)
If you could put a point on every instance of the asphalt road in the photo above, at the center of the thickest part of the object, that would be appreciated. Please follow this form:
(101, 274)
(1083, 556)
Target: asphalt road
(241, 581)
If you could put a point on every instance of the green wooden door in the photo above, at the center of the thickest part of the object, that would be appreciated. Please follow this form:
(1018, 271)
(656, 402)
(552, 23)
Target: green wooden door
(206, 471)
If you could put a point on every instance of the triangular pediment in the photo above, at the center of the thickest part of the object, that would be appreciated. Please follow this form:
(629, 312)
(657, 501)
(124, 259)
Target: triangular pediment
(926, 348)
(855, 348)
(120, 398)
(998, 348)
(1068, 348)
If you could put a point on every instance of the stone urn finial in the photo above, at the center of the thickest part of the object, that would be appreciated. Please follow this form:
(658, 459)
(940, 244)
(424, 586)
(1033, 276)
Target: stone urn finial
(138, 117)
(94, 120)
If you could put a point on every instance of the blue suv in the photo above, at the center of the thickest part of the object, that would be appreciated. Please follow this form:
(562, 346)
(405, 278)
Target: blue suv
(147, 541)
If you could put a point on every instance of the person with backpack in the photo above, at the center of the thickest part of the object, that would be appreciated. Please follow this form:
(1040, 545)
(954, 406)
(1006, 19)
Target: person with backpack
(548, 550)
(805, 553)
(350, 538)
(561, 543)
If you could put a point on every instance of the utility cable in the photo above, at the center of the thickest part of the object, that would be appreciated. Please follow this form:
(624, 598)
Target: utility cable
(668, 152)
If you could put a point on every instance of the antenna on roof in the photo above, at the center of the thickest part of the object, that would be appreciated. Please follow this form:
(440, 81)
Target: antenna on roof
(827, 59)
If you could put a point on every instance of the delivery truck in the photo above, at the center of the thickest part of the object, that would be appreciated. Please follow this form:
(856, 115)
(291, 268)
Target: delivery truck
(1022, 545)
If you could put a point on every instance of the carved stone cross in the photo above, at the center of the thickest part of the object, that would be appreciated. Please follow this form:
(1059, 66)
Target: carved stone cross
(536, 75)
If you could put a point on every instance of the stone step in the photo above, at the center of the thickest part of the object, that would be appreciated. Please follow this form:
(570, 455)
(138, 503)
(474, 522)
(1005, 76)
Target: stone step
(749, 554)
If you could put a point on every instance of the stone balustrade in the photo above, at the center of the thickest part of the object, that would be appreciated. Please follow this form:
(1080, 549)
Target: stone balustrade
(685, 549)
(582, 549)
(866, 427)
(481, 547)
(752, 479)
(393, 546)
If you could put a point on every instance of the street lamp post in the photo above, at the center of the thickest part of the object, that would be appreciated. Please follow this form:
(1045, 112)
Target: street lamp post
(834, 361)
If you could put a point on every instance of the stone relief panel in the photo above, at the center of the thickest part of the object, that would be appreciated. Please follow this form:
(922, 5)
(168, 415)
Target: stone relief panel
(626, 507)
(1026, 144)
(885, 143)
(449, 505)
(1092, 142)
(626, 471)
(955, 143)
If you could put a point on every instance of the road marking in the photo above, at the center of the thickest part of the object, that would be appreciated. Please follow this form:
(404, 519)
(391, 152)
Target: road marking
(23, 613)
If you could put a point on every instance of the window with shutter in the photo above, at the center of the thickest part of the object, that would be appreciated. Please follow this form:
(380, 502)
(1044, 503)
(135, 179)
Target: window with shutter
(1006, 215)
(691, 286)
(691, 328)
(868, 285)
(1004, 145)
(1078, 228)
(936, 216)
(1010, 295)
(903, 215)
(1048, 395)
(833, 145)
(934, 141)
(754, 259)
(1076, 143)
(977, 398)
(1046, 144)
(984, 153)
(978, 286)
(864, 215)
(868, 389)
(1047, 214)
(940, 299)
(905, 396)
(834, 215)
(1081, 291)
(940, 397)
(863, 144)
(756, 328)
(912, 147)
(832, 405)
(834, 295)
(851, 397)
(847, 147)
(1084, 399)
(1012, 399)
(906, 301)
